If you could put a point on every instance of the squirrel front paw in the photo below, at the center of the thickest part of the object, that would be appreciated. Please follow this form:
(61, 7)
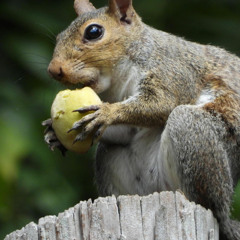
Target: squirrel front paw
(95, 122)
(50, 137)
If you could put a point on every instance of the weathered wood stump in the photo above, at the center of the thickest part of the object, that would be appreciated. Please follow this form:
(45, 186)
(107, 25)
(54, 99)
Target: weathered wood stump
(161, 216)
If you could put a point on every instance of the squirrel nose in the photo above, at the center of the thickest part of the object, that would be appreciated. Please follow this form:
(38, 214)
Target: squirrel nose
(55, 70)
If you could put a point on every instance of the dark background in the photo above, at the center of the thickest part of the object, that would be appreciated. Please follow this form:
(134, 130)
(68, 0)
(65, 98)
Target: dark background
(34, 181)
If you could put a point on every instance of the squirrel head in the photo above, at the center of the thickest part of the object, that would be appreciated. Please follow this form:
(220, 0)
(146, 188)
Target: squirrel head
(90, 47)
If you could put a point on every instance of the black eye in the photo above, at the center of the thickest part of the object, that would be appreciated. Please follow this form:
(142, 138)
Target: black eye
(93, 32)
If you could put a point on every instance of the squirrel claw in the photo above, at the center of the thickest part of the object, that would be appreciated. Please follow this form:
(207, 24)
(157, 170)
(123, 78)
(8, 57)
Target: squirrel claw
(50, 137)
(95, 122)
(85, 133)
(47, 122)
(87, 109)
(80, 137)
(53, 143)
(62, 149)
(82, 122)
(98, 133)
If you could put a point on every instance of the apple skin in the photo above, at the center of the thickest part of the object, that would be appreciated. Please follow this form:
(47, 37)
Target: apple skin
(63, 116)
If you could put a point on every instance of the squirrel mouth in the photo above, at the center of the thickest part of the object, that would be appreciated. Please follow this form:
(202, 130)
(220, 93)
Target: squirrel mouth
(91, 83)
(81, 83)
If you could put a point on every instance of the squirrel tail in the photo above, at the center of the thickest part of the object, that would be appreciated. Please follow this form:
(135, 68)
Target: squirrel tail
(230, 230)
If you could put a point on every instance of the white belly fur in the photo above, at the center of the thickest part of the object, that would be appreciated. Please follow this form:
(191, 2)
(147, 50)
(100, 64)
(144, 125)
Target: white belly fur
(146, 165)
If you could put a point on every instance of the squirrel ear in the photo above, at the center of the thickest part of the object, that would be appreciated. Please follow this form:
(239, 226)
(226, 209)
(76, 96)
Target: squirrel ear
(123, 9)
(82, 6)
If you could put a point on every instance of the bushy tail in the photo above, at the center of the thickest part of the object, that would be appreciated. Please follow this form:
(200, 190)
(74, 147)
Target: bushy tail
(230, 230)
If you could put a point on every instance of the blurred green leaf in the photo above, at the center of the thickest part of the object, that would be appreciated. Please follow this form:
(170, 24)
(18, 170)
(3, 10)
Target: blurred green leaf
(17, 143)
(236, 203)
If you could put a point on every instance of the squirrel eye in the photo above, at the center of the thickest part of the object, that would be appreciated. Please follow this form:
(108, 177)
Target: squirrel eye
(93, 32)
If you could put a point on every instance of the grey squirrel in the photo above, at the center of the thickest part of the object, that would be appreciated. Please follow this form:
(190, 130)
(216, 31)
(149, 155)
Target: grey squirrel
(171, 113)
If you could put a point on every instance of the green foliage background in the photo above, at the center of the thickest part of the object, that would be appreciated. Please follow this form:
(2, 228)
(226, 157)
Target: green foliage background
(34, 181)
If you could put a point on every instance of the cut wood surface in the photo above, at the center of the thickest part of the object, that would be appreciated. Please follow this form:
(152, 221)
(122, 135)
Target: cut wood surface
(159, 216)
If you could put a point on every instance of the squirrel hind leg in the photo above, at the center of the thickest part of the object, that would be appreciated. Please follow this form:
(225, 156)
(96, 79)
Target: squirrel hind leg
(203, 162)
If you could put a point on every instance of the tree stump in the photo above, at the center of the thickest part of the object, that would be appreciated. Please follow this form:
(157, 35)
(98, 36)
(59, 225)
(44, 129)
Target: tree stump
(159, 216)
